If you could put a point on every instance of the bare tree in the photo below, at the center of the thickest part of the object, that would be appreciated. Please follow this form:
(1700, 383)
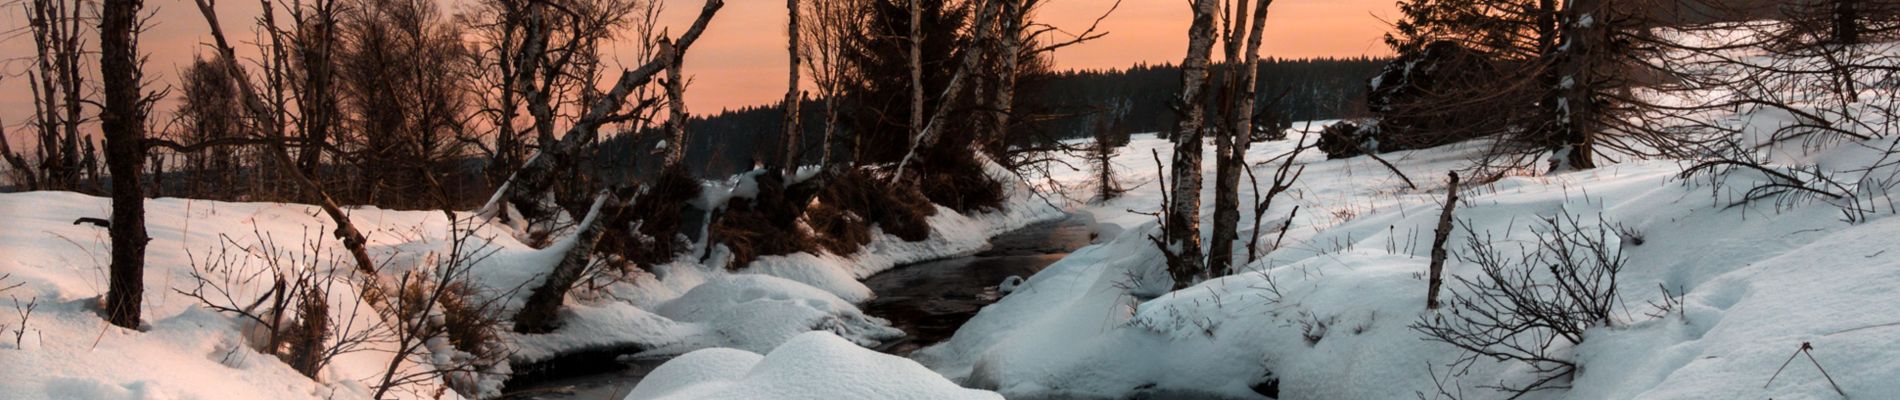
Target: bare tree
(1182, 214)
(122, 119)
(314, 42)
(541, 57)
(789, 138)
(275, 149)
(828, 26)
(209, 112)
(1230, 142)
(538, 313)
(405, 98)
(57, 86)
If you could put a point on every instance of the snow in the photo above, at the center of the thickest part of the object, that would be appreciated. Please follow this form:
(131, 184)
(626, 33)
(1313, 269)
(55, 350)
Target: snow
(756, 312)
(814, 365)
(1327, 315)
(188, 351)
(1324, 314)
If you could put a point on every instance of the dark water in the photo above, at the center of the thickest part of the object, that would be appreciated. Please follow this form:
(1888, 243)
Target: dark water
(927, 300)
(930, 300)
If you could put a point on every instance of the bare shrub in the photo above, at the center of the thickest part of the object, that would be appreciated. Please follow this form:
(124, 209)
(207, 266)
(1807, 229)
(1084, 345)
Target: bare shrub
(283, 293)
(837, 230)
(899, 209)
(443, 326)
(957, 179)
(1532, 308)
(652, 228)
(25, 312)
(765, 224)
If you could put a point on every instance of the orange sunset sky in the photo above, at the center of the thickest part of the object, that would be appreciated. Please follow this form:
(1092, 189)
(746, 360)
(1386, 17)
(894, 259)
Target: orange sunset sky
(741, 59)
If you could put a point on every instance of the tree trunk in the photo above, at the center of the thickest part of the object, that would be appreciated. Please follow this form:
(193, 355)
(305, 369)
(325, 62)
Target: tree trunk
(123, 124)
(1231, 147)
(952, 90)
(526, 189)
(1846, 22)
(916, 82)
(1183, 238)
(540, 313)
(792, 128)
(1009, 53)
(1576, 110)
(1439, 236)
(676, 107)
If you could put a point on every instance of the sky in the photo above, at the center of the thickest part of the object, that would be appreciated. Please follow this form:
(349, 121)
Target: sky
(741, 59)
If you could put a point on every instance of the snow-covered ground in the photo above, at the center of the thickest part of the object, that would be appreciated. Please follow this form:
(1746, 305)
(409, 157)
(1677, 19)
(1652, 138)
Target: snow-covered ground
(1329, 314)
(1715, 299)
(813, 365)
(189, 351)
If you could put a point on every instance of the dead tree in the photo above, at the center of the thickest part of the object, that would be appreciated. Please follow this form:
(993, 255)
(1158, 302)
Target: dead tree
(123, 122)
(1182, 221)
(676, 116)
(792, 98)
(1439, 236)
(828, 24)
(1231, 141)
(539, 312)
(57, 86)
(524, 194)
(314, 44)
(275, 148)
(540, 57)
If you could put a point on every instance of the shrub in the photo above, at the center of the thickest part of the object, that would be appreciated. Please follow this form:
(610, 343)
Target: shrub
(654, 227)
(956, 179)
(1511, 313)
(899, 209)
(1341, 140)
(764, 225)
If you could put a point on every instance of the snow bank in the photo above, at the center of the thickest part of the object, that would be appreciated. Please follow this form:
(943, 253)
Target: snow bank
(184, 350)
(1328, 314)
(756, 312)
(188, 351)
(813, 365)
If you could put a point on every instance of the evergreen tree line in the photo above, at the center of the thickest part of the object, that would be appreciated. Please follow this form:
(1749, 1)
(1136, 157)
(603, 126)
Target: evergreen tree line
(1288, 89)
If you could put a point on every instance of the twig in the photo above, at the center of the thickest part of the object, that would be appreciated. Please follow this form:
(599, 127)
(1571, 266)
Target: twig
(1806, 348)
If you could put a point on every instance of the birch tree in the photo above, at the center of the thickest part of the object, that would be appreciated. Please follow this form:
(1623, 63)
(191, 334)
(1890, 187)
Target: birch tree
(1230, 143)
(1182, 215)
(792, 98)
(539, 314)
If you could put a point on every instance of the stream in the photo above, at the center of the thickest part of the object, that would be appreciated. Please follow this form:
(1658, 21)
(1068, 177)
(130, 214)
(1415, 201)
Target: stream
(927, 300)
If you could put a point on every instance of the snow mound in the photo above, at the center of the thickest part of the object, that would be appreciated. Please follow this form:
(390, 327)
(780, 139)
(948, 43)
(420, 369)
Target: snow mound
(813, 365)
(757, 312)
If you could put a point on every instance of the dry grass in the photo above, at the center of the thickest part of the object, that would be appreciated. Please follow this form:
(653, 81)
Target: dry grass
(854, 199)
(766, 225)
(657, 212)
(957, 180)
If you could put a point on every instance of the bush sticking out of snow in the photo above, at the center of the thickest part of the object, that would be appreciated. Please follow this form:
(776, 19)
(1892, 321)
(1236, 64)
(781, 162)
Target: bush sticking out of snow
(1531, 309)
(813, 365)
